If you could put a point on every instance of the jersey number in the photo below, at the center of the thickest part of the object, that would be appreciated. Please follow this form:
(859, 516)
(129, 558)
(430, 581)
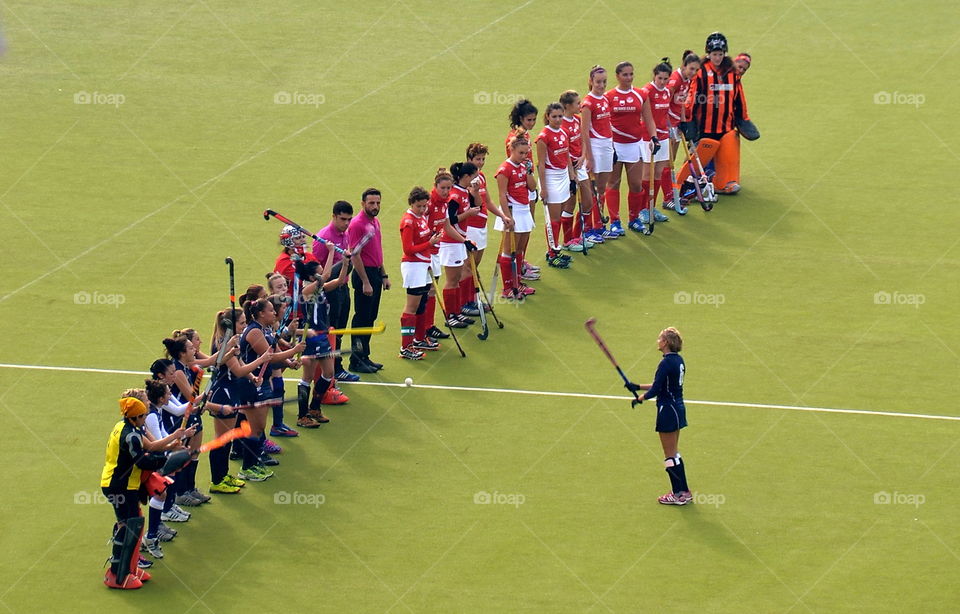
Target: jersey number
(683, 369)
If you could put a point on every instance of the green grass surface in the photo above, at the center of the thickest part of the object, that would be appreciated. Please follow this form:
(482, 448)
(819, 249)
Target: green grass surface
(843, 198)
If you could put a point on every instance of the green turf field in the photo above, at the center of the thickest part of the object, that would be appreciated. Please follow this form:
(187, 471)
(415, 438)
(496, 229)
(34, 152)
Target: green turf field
(141, 142)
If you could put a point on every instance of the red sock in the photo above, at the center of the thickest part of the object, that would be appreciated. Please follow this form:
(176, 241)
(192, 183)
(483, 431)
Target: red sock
(666, 184)
(555, 227)
(430, 312)
(635, 204)
(465, 295)
(421, 326)
(566, 222)
(451, 298)
(595, 221)
(408, 326)
(645, 195)
(506, 271)
(612, 198)
(578, 226)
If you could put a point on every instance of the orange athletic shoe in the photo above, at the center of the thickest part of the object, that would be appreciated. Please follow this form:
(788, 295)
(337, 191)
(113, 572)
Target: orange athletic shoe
(131, 583)
(334, 397)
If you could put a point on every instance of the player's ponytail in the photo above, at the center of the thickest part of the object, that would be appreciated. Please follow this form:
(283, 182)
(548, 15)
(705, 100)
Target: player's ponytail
(159, 367)
(663, 66)
(553, 106)
(175, 347)
(462, 169)
(521, 109)
(253, 308)
(569, 97)
(520, 137)
(689, 57)
(593, 71)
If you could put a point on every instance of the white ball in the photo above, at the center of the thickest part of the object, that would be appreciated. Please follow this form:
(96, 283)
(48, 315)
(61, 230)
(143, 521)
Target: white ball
(408, 382)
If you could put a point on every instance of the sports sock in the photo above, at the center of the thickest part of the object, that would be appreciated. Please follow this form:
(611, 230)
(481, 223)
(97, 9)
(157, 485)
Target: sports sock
(431, 311)
(277, 384)
(408, 328)
(465, 295)
(451, 299)
(666, 184)
(303, 398)
(634, 204)
(644, 195)
(323, 384)
(190, 480)
(153, 517)
(673, 470)
(506, 271)
(682, 466)
(566, 223)
(612, 198)
(251, 451)
(555, 226)
(219, 464)
(595, 221)
(421, 326)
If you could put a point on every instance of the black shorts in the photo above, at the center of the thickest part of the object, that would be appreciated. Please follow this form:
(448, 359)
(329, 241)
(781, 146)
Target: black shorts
(671, 418)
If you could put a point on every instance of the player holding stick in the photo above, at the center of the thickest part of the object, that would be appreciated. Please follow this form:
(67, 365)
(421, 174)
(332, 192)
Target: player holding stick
(598, 145)
(462, 205)
(658, 97)
(439, 221)
(417, 239)
(555, 173)
(667, 388)
(580, 232)
(515, 182)
(477, 225)
(679, 86)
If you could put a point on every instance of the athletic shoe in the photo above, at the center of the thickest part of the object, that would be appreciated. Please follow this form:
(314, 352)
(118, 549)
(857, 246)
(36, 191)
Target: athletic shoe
(466, 320)
(454, 322)
(375, 365)
(164, 531)
(659, 217)
(527, 290)
(268, 461)
(172, 515)
(668, 204)
(530, 276)
(637, 225)
(609, 235)
(671, 499)
(131, 582)
(470, 309)
(188, 500)
(573, 246)
(557, 262)
(333, 396)
(223, 488)
(686, 495)
(263, 469)
(408, 353)
(731, 188)
(530, 265)
(153, 547)
(317, 415)
(180, 509)
(426, 345)
(617, 228)
(592, 238)
(233, 481)
(644, 216)
(282, 430)
(143, 563)
(435, 333)
(307, 422)
(566, 257)
(196, 494)
(345, 376)
(271, 448)
(252, 475)
(508, 294)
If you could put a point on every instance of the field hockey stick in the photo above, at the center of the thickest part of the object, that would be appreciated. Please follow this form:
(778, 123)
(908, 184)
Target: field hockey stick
(651, 196)
(688, 158)
(583, 220)
(244, 430)
(548, 227)
(709, 194)
(493, 282)
(490, 303)
(591, 326)
(485, 330)
(270, 212)
(367, 330)
(518, 294)
(443, 310)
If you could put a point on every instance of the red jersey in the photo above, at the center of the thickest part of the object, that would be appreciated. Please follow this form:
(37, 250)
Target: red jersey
(626, 115)
(284, 266)
(415, 236)
(480, 219)
(571, 127)
(679, 88)
(436, 215)
(461, 198)
(558, 151)
(659, 107)
(599, 115)
(516, 175)
(507, 145)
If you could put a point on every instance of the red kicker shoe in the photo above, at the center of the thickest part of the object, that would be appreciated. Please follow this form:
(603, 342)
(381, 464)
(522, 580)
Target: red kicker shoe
(334, 397)
(131, 583)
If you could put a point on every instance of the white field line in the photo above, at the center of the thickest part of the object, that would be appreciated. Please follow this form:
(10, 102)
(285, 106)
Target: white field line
(542, 393)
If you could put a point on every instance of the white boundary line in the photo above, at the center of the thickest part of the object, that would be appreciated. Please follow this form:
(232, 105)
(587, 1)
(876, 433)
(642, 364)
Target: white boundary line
(543, 393)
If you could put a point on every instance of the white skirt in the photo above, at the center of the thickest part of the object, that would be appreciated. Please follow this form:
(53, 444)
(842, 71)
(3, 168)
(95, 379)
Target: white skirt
(662, 156)
(557, 190)
(435, 269)
(602, 155)
(628, 153)
(478, 236)
(453, 254)
(522, 219)
(415, 274)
